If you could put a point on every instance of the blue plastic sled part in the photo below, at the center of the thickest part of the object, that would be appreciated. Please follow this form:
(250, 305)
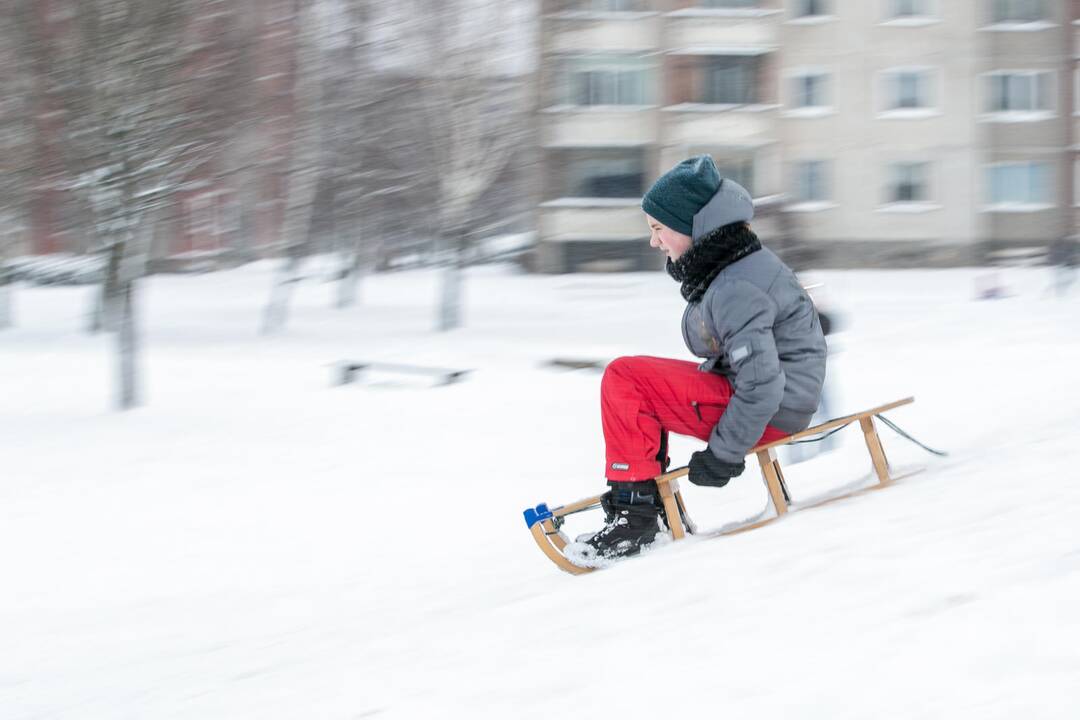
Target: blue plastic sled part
(537, 514)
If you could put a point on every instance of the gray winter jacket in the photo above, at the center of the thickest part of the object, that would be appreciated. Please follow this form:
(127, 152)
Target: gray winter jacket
(757, 326)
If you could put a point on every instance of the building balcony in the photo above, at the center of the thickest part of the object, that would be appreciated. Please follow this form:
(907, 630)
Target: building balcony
(583, 32)
(592, 219)
(748, 126)
(701, 29)
(598, 126)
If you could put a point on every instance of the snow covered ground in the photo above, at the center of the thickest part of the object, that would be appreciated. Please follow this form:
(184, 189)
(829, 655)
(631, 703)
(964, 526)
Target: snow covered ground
(257, 543)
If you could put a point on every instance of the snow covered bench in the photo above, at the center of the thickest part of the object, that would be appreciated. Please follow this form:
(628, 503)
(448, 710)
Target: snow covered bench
(545, 523)
(347, 371)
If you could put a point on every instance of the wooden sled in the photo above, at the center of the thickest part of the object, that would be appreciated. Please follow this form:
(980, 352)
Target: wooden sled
(545, 523)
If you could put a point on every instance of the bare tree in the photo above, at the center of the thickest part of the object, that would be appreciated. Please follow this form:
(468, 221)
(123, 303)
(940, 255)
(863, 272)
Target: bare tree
(14, 156)
(379, 160)
(305, 163)
(358, 142)
(363, 140)
(347, 90)
(136, 89)
(339, 147)
(471, 101)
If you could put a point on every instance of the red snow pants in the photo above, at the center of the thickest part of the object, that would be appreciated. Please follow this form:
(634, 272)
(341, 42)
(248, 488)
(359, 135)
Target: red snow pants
(643, 398)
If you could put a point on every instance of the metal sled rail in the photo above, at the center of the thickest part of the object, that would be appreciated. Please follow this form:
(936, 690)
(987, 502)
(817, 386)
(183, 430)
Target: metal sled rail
(544, 523)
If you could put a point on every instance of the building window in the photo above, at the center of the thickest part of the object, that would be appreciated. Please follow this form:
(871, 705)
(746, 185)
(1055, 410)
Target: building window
(908, 8)
(203, 224)
(740, 171)
(229, 219)
(1018, 11)
(1076, 92)
(281, 11)
(731, 80)
(811, 181)
(1076, 183)
(59, 14)
(908, 182)
(1021, 91)
(810, 90)
(730, 3)
(599, 173)
(1020, 184)
(606, 81)
(908, 89)
(612, 5)
(810, 8)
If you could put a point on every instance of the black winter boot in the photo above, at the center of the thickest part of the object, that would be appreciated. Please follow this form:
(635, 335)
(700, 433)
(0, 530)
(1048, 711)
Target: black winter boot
(632, 511)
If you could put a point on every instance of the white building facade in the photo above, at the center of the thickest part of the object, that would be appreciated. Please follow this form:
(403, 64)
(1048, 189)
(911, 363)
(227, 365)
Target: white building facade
(893, 132)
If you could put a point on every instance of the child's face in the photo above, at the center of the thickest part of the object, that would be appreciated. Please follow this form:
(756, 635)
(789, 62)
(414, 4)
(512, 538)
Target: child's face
(670, 241)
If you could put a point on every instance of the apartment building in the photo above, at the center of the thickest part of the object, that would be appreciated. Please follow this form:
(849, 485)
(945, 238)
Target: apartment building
(1073, 195)
(886, 132)
(1025, 95)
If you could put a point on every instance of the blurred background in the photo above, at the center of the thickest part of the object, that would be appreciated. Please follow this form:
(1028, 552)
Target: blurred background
(198, 134)
(160, 137)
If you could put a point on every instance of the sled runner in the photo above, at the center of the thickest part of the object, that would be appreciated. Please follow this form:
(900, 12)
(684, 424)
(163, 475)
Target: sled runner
(545, 523)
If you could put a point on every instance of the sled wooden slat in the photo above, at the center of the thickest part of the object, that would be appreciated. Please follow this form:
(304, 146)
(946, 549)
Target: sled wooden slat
(553, 543)
(749, 526)
(683, 515)
(833, 424)
(555, 537)
(906, 475)
(576, 506)
(667, 489)
(854, 493)
(877, 454)
(773, 482)
(553, 554)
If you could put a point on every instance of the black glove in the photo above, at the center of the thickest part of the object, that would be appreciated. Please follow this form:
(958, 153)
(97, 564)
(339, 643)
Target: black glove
(709, 471)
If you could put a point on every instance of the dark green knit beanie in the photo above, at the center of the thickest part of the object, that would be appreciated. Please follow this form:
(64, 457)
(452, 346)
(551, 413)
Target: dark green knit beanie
(681, 192)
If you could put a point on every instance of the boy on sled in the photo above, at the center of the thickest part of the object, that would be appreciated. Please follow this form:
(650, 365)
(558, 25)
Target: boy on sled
(754, 326)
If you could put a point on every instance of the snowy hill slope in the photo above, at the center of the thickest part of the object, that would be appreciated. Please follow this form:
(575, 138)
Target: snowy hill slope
(255, 543)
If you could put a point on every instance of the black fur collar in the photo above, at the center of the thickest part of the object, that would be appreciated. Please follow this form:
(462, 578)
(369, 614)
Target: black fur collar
(713, 252)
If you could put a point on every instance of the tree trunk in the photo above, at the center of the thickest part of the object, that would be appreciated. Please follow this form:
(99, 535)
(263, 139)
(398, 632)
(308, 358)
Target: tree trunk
(6, 299)
(303, 173)
(7, 281)
(450, 305)
(127, 346)
(106, 313)
(350, 280)
(97, 313)
(452, 285)
(353, 263)
(277, 310)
